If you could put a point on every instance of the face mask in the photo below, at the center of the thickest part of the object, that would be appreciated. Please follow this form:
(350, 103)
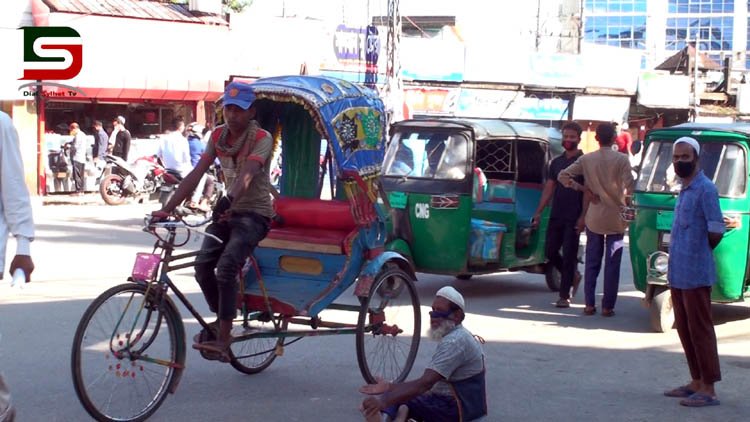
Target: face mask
(569, 146)
(684, 168)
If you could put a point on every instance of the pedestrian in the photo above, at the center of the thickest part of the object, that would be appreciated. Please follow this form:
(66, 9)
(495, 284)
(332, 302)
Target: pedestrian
(241, 219)
(174, 150)
(609, 181)
(457, 365)
(196, 148)
(697, 229)
(78, 154)
(119, 139)
(16, 219)
(101, 142)
(624, 139)
(567, 211)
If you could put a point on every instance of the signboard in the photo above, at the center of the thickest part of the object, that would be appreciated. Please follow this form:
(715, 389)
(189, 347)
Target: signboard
(431, 100)
(532, 108)
(662, 90)
(601, 108)
(485, 103)
(427, 59)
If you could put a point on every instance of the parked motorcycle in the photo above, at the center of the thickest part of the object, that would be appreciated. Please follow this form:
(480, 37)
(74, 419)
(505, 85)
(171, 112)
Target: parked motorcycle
(167, 190)
(143, 178)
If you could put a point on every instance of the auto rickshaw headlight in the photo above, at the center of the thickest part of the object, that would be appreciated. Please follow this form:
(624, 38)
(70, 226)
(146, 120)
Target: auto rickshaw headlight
(659, 262)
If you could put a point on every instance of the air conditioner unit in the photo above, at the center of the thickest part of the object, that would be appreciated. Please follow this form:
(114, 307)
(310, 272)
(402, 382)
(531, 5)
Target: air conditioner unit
(205, 6)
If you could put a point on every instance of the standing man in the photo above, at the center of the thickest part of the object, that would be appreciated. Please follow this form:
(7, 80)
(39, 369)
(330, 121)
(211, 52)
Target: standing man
(609, 178)
(101, 142)
(120, 138)
(567, 209)
(241, 219)
(16, 219)
(458, 361)
(624, 138)
(697, 229)
(79, 157)
(174, 150)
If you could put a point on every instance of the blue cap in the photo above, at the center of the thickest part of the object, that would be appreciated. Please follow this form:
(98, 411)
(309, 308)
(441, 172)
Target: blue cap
(239, 94)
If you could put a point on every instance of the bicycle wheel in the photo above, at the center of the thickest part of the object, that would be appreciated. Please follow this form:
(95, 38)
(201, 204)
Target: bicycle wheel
(255, 354)
(388, 328)
(117, 382)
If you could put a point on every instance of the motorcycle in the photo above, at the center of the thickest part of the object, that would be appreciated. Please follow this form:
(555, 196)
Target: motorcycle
(167, 190)
(142, 178)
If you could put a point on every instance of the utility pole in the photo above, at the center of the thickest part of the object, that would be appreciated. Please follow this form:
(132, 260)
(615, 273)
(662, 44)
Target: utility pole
(696, 96)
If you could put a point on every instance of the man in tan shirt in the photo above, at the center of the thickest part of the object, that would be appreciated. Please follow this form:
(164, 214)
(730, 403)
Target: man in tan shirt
(609, 180)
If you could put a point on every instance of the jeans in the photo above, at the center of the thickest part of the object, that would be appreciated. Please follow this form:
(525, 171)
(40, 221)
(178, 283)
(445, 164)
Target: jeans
(594, 250)
(562, 234)
(220, 263)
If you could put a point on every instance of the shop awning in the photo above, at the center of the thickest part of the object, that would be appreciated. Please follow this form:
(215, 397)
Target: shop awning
(601, 108)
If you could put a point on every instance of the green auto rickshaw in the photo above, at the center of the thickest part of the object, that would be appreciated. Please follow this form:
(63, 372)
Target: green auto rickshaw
(462, 193)
(723, 158)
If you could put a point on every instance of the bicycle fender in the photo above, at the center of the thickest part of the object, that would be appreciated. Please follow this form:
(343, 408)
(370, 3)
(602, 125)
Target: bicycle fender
(373, 267)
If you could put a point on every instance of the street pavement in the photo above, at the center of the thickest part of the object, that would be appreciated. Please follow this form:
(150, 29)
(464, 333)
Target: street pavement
(543, 363)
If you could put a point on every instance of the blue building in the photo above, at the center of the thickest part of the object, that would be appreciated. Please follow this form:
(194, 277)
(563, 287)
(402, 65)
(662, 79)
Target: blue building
(662, 27)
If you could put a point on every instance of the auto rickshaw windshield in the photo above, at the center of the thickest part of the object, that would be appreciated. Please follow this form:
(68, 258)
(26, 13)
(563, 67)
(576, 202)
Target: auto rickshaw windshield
(724, 163)
(430, 155)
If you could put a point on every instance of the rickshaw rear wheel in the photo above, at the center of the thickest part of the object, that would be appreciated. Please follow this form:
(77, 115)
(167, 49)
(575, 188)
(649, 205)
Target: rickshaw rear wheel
(661, 312)
(253, 355)
(389, 327)
(552, 277)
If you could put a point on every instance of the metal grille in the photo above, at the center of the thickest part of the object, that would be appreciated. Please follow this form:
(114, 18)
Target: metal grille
(495, 158)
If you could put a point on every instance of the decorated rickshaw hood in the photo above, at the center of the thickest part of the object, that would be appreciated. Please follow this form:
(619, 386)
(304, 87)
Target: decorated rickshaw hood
(350, 116)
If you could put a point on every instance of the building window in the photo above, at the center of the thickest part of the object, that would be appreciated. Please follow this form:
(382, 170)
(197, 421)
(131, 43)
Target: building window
(710, 21)
(701, 6)
(618, 23)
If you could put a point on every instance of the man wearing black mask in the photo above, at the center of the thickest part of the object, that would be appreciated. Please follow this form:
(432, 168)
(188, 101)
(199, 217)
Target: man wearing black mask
(697, 229)
(567, 210)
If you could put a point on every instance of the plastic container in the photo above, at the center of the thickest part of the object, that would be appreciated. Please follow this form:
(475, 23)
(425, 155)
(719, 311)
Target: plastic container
(485, 240)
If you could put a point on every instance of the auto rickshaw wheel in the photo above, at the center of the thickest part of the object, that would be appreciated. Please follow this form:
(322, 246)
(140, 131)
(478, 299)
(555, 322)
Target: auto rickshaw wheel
(660, 312)
(552, 277)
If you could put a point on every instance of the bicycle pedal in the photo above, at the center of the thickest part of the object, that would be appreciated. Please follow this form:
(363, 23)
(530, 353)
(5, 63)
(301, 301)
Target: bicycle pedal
(279, 350)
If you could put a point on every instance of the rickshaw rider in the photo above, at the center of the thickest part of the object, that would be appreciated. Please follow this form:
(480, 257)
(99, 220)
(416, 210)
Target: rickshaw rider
(241, 219)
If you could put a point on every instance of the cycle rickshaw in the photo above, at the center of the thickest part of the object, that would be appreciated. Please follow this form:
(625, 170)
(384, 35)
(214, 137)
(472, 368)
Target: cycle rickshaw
(129, 349)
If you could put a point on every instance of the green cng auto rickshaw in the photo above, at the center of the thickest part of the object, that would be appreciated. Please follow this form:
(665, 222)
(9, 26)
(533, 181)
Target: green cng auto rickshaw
(723, 158)
(462, 193)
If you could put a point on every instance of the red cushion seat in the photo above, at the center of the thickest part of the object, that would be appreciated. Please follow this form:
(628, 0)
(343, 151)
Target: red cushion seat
(312, 225)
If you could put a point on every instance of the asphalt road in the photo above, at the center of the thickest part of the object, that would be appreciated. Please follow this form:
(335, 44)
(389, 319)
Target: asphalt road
(543, 363)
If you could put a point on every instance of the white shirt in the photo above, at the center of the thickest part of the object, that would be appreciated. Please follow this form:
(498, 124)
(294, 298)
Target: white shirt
(15, 206)
(174, 151)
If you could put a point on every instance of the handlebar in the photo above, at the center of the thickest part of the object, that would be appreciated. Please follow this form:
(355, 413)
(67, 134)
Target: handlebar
(172, 225)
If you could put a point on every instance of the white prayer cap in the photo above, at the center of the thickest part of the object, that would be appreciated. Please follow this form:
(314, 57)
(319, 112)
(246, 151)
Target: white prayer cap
(452, 295)
(690, 141)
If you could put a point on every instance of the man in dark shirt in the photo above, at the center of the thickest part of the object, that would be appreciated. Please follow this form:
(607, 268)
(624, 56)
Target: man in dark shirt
(101, 142)
(121, 138)
(567, 207)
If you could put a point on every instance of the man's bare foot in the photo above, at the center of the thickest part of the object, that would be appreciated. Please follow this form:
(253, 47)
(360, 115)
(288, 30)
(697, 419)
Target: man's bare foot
(402, 414)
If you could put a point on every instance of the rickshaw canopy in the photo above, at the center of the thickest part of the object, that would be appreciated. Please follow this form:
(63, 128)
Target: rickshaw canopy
(485, 128)
(349, 116)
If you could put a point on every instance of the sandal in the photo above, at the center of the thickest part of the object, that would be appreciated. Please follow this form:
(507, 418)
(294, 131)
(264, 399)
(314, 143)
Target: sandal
(608, 312)
(589, 310)
(214, 349)
(682, 391)
(700, 400)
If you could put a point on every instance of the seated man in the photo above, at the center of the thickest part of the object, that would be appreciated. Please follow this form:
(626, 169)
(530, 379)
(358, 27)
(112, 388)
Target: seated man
(458, 361)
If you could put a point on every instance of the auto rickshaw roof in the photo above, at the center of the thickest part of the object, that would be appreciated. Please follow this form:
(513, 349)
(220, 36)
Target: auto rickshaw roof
(739, 128)
(484, 128)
